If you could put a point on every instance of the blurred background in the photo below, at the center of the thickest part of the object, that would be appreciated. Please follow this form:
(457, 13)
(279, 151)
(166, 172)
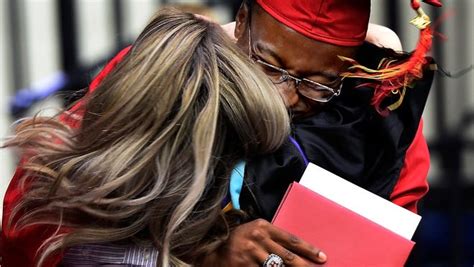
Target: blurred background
(50, 49)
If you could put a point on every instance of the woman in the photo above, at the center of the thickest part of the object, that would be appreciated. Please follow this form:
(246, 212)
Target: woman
(146, 159)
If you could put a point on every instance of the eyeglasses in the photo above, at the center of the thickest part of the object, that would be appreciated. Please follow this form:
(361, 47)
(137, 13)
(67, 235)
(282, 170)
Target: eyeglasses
(307, 88)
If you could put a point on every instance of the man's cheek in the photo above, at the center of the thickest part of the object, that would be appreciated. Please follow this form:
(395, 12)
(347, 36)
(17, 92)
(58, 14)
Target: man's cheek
(290, 97)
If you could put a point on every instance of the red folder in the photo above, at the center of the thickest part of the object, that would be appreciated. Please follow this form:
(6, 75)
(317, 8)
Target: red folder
(347, 238)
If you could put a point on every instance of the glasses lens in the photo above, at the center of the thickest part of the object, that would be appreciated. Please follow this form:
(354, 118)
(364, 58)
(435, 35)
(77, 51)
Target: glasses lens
(315, 92)
(275, 75)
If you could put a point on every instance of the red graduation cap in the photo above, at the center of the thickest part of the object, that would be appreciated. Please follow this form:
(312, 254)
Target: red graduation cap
(339, 22)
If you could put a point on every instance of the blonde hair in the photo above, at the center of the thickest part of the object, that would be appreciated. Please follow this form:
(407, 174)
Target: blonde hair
(159, 137)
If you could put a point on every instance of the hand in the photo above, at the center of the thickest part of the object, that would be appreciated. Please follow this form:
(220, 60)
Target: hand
(229, 29)
(250, 244)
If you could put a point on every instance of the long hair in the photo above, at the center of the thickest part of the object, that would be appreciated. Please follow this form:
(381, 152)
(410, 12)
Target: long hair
(159, 137)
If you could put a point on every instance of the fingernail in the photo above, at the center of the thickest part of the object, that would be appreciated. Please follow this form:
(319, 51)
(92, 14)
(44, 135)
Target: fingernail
(322, 256)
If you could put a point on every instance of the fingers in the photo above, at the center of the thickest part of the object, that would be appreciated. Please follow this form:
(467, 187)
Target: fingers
(297, 245)
(289, 258)
(253, 242)
(300, 247)
(261, 256)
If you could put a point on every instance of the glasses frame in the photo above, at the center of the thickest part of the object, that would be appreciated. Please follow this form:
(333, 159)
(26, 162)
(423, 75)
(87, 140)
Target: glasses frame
(286, 76)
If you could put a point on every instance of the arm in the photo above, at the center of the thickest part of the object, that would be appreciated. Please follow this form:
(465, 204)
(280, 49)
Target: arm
(19, 247)
(412, 184)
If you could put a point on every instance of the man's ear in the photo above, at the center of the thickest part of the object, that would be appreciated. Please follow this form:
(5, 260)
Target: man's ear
(241, 20)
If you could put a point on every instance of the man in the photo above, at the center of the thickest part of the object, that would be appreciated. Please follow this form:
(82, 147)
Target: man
(386, 154)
